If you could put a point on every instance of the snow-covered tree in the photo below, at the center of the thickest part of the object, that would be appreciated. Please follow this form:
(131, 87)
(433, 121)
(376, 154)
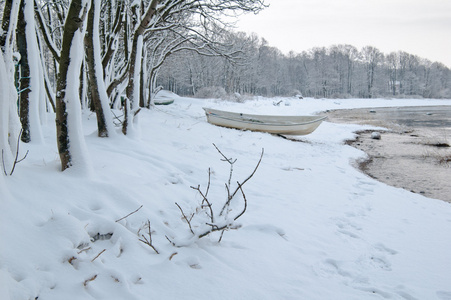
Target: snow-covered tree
(9, 121)
(98, 91)
(31, 76)
(172, 15)
(70, 139)
(371, 57)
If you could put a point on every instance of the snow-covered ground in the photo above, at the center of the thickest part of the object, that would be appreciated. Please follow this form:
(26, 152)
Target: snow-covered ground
(315, 227)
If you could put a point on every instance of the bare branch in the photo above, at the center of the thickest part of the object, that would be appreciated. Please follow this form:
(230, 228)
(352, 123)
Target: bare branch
(3, 163)
(16, 160)
(230, 196)
(149, 241)
(47, 38)
(229, 160)
(224, 223)
(245, 202)
(184, 216)
(250, 176)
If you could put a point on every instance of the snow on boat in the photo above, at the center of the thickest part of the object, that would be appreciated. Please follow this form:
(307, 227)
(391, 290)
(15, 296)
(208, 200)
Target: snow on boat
(288, 125)
(164, 97)
(163, 100)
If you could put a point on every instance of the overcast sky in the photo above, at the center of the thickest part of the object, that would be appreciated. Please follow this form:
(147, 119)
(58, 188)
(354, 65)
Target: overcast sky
(420, 27)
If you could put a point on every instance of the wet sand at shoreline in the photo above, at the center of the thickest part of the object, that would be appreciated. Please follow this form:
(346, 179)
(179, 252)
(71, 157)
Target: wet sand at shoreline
(415, 158)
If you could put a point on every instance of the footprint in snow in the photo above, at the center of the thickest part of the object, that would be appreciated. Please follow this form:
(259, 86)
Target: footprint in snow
(348, 228)
(375, 261)
(267, 228)
(382, 248)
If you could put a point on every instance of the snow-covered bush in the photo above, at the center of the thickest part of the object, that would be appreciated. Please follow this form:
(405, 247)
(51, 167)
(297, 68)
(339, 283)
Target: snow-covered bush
(214, 92)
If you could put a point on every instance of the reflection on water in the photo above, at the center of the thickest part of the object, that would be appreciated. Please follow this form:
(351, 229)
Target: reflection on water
(418, 116)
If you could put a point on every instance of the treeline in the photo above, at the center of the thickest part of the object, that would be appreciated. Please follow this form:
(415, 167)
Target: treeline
(339, 71)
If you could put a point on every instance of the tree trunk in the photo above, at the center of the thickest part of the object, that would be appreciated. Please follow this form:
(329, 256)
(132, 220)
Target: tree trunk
(98, 92)
(135, 55)
(31, 75)
(133, 86)
(5, 142)
(5, 23)
(9, 120)
(67, 90)
(24, 79)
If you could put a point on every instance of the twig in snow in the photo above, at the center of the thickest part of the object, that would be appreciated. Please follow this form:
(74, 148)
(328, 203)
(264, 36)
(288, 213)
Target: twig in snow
(16, 161)
(229, 160)
(98, 255)
(245, 201)
(83, 250)
(172, 243)
(148, 241)
(224, 223)
(186, 219)
(129, 214)
(3, 163)
(89, 279)
(230, 196)
(205, 200)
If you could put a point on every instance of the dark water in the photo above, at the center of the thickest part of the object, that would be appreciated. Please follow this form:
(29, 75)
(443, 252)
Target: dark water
(417, 116)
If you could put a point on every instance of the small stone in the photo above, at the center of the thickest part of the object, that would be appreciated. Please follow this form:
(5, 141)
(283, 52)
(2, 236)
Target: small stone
(376, 135)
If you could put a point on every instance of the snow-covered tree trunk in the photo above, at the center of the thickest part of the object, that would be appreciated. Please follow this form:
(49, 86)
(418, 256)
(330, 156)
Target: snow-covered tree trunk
(135, 65)
(5, 23)
(9, 120)
(98, 92)
(7, 155)
(70, 138)
(31, 79)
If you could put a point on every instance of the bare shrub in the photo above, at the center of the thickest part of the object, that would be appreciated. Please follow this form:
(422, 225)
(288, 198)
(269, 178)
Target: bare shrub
(208, 219)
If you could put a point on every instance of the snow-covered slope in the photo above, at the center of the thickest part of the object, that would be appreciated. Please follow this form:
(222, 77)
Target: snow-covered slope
(315, 228)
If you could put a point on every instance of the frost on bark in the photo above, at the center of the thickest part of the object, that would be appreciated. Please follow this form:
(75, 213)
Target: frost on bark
(74, 22)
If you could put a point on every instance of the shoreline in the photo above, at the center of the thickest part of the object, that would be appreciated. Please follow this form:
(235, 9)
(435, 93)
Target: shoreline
(417, 159)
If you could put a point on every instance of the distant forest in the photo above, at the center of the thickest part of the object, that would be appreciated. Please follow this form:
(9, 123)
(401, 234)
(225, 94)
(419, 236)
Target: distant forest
(340, 71)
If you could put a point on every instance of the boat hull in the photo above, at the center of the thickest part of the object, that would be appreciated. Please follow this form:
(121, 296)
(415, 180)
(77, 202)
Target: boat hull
(285, 125)
(163, 101)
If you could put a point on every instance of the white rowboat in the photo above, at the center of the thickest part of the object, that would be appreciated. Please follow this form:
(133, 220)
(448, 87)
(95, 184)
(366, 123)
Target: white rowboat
(288, 125)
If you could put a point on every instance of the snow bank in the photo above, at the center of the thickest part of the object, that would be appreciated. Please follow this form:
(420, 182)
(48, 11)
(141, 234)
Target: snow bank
(315, 228)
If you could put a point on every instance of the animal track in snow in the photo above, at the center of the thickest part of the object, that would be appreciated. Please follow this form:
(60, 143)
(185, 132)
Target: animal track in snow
(381, 247)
